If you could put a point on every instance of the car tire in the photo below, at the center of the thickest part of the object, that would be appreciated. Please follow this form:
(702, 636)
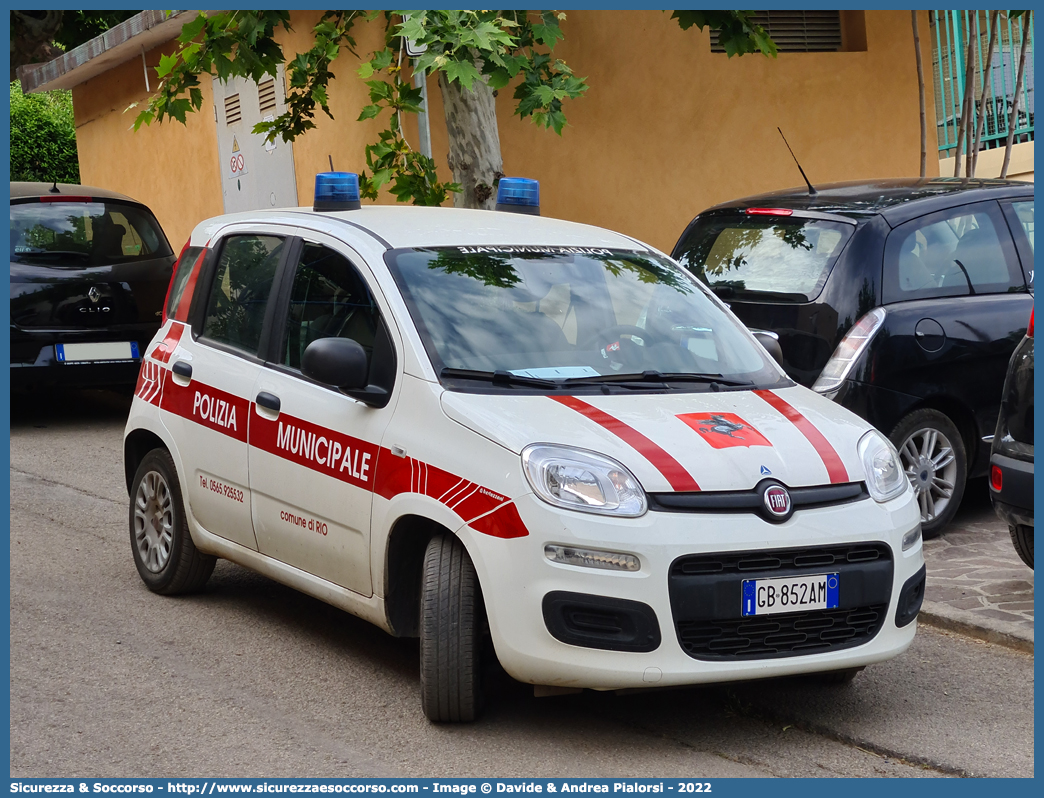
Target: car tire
(451, 637)
(167, 560)
(1022, 538)
(843, 676)
(932, 453)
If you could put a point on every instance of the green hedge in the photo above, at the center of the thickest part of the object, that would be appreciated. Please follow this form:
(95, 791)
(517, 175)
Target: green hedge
(43, 137)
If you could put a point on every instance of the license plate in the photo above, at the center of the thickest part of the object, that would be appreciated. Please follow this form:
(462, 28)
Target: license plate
(107, 352)
(790, 594)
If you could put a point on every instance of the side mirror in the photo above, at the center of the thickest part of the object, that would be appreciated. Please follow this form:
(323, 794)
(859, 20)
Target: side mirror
(340, 362)
(771, 343)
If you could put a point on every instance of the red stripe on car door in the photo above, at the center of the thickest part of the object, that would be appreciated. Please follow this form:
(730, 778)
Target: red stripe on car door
(835, 468)
(672, 470)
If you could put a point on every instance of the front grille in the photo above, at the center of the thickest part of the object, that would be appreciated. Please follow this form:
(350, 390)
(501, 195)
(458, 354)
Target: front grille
(781, 635)
(800, 559)
(706, 601)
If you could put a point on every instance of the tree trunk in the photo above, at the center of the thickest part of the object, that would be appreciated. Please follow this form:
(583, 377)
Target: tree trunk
(474, 142)
(987, 66)
(969, 89)
(1018, 90)
(920, 94)
(968, 133)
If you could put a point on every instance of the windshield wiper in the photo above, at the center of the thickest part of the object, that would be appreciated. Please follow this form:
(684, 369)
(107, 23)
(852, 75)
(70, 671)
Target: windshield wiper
(498, 377)
(657, 376)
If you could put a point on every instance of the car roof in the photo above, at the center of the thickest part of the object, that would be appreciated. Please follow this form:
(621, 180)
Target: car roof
(21, 190)
(896, 199)
(411, 226)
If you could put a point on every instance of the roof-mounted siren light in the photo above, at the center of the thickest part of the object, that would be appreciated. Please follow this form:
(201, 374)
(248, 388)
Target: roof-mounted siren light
(519, 195)
(336, 191)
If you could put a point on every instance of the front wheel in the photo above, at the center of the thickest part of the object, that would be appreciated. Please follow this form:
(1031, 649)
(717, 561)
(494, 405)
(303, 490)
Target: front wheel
(450, 633)
(933, 457)
(164, 554)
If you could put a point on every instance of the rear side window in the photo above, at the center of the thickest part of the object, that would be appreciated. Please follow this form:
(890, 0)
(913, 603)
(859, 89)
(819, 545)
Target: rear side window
(183, 283)
(239, 294)
(1024, 210)
(957, 252)
(84, 234)
(779, 258)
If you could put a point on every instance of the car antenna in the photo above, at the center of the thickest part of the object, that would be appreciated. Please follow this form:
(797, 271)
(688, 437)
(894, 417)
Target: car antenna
(331, 162)
(811, 190)
(54, 189)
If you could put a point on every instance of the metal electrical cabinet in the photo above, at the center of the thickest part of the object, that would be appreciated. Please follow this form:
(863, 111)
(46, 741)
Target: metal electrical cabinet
(254, 175)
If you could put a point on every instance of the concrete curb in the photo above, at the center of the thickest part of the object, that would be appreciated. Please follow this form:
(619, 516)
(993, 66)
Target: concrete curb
(966, 622)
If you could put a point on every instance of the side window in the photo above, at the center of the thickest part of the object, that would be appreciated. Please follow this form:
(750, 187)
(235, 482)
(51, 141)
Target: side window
(328, 300)
(1024, 211)
(955, 252)
(239, 294)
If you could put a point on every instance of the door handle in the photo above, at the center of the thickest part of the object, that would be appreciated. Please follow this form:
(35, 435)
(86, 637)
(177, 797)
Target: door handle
(269, 401)
(182, 369)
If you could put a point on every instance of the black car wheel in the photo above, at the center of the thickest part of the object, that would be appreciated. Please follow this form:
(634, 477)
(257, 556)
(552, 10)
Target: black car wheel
(933, 456)
(164, 554)
(450, 633)
(1022, 538)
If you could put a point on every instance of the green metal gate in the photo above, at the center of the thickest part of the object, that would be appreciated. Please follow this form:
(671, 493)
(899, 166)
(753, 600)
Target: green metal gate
(949, 32)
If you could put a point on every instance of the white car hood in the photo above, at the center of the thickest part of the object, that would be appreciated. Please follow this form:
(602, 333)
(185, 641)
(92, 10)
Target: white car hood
(729, 440)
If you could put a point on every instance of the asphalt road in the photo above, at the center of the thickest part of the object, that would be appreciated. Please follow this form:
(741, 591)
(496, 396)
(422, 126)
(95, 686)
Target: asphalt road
(253, 679)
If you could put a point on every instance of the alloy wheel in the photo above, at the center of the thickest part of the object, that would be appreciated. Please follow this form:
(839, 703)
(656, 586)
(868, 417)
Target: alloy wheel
(929, 461)
(153, 521)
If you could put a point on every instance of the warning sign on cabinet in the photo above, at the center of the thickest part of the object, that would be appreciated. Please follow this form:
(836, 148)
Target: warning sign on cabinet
(237, 165)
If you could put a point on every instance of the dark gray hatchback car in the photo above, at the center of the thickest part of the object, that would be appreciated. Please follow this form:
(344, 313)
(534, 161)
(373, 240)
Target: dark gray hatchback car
(89, 273)
(901, 300)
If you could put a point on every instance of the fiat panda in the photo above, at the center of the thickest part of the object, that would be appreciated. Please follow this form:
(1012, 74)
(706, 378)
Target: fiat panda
(503, 433)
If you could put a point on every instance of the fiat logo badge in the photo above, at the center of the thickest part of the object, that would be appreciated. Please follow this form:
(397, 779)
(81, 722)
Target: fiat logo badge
(777, 501)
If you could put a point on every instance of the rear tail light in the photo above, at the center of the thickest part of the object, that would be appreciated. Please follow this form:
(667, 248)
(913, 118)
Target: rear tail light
(848, 351)
(996, 479)
(769, 211)
(1029, 329)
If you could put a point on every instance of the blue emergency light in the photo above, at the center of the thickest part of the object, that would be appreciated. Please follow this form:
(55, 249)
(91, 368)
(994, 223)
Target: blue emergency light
(336, 191)
(519, 195)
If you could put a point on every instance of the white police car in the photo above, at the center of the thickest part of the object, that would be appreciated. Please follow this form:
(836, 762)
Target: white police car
(459, 424)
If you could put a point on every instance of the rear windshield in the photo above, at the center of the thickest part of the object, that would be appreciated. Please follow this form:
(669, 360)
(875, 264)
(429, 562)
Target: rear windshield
(84, 233)
(771, 258)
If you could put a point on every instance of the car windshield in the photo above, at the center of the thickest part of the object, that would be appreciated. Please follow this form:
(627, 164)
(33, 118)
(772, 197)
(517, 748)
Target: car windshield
(84, 234)
(555, 316)
(761, 257)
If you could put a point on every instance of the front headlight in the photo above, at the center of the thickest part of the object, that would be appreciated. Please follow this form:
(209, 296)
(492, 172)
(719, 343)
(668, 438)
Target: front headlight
(581, 480)
(885, 477)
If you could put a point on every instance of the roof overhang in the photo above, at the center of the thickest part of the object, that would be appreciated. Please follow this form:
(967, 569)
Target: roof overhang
(117, 45)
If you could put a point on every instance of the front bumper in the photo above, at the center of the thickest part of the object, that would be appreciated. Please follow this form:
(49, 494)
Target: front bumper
(517, 579)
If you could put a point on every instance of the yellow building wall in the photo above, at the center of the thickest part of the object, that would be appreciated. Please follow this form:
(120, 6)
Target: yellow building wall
(172, 168)
(666, 130)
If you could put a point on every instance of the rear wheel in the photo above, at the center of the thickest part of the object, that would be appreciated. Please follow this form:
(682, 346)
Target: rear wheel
(1022, 538)
(932, 453)
(450, 633)
(164, 554)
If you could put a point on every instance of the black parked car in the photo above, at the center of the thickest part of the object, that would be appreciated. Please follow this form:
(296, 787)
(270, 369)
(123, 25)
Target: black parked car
(1011, 461)
(89, 273)
(900, 299)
